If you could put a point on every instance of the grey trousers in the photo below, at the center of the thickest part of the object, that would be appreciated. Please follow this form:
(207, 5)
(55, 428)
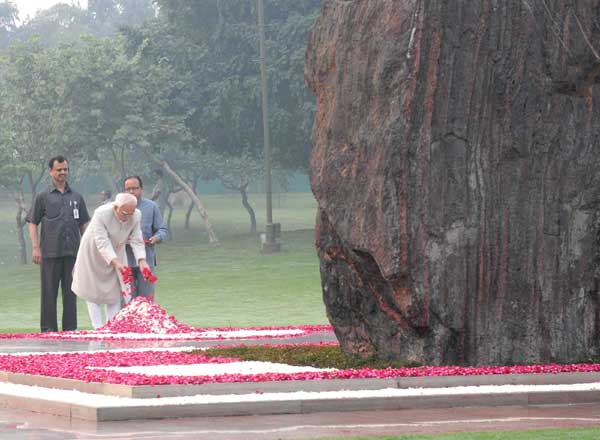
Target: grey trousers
(55, 271)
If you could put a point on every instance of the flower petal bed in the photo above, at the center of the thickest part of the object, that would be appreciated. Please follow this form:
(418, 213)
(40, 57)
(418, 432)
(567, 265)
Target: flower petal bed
(143, 319)
(95, 367)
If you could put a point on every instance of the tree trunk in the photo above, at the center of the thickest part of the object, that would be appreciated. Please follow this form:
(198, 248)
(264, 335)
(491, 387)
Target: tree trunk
(170, 215)
(188, 215)
(456, 167)
(212, 236)
(243, 192)
(20, 222)
(159, 194)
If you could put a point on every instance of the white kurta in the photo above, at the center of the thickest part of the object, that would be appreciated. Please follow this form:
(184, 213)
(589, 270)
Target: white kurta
(94, 279)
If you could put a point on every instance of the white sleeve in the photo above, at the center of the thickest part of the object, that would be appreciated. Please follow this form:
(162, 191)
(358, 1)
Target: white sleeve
(136, 240)
(100, 234)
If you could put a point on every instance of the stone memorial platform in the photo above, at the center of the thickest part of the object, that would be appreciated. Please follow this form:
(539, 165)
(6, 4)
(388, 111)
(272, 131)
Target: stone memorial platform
(141, 368)
(96, 401)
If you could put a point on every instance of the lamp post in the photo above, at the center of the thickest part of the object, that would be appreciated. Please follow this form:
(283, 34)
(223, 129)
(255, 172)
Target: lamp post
(272, 231)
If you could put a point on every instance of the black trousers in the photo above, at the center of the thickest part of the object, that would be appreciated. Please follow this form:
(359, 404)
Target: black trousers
(57, 271)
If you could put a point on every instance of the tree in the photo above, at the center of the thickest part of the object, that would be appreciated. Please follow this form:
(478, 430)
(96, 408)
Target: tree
(126, 108)
(59, 24)
(235, 173)
(106, 17)
(221, 44)
(212, 48)
(34, 125)
(65, 24)
(94, 99)
(9, 14)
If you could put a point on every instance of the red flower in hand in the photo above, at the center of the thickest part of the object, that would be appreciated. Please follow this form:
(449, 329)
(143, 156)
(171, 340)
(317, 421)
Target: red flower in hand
(127, 275)
(149, 276)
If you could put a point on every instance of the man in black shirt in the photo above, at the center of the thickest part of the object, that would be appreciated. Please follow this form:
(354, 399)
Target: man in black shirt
(63, 217)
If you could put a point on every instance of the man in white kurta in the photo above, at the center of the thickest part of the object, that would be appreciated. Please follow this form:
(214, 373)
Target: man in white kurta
(101, 256)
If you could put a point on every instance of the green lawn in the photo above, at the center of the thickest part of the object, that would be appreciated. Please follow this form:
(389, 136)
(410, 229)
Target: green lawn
(542, 434)
(231, 284)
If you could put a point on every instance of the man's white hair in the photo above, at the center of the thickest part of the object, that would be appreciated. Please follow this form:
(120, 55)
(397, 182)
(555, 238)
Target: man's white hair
(125, 199)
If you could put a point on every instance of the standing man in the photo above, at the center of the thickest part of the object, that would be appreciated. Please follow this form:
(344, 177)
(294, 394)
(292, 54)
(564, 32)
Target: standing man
(63, 216)
(153, 231)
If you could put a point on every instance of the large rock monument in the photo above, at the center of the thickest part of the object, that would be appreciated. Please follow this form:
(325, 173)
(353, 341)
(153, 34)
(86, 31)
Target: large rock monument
(457, 172)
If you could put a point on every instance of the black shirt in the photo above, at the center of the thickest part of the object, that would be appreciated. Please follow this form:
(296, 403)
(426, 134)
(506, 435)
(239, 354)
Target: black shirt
(61, 215)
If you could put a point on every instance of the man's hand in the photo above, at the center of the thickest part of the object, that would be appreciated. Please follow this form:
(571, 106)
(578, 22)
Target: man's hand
(117, 265)
(147, 272)
(143, 265)
(152, 240)
(36, 255)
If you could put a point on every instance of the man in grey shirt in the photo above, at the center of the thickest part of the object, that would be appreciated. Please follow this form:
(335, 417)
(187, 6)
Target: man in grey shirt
(153, 231)
(63, 216)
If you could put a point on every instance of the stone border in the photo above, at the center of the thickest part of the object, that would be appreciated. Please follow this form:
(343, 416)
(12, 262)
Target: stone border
(139, 411)
(306, 406)
(151, 391)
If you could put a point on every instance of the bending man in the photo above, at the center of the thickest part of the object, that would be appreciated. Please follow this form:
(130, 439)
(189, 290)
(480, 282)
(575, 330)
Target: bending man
(97, 274)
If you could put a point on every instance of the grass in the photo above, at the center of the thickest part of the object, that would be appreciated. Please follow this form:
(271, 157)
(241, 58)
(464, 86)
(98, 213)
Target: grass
(538, 434)
(303, 355)
(231, 284)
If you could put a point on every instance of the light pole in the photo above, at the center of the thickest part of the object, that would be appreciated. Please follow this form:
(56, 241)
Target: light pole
(272, 231)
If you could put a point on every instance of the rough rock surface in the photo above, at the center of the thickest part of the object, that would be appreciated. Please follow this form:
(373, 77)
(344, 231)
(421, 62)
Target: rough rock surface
(456, 169)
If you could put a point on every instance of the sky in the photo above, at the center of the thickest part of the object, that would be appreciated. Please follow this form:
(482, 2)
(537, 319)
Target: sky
(30, 7)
